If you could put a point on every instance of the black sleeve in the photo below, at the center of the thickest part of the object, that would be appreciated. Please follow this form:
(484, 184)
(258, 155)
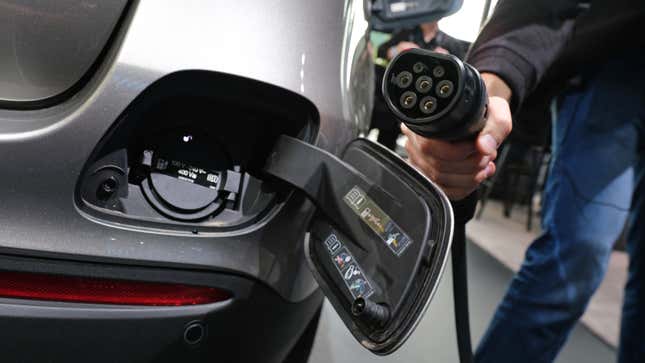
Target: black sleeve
(522, 39)
(461, 48)
(454, 46)
(396, 39)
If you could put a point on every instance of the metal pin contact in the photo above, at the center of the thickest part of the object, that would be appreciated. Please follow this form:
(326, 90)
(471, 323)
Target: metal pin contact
(404, 79)
(408, 100)
(423, 84)
(445, 88)
(428, 105)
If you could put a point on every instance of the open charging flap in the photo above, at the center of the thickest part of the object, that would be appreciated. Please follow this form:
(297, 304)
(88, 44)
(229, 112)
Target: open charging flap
(380, 239)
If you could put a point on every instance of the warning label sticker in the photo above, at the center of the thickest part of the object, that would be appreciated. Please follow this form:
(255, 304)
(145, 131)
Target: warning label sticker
(188, 173)
(348, 267)
(378, 221)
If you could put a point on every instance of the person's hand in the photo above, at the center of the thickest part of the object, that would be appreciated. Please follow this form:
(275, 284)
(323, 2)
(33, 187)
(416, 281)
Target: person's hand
(393, 51)
(441, 50)
(459, 167)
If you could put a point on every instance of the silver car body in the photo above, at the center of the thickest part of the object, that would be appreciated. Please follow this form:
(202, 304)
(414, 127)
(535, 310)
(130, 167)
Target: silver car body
(315, 48)
(57, 101)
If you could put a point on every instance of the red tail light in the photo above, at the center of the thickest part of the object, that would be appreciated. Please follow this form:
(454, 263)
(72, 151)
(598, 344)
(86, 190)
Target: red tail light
(104, 291)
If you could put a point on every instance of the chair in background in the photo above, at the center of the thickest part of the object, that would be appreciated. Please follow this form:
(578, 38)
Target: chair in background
(522, 164)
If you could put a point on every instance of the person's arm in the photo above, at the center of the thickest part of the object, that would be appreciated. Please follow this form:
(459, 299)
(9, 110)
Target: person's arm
(522, 40)
(454, 46)
(396, 44)
(394, 40)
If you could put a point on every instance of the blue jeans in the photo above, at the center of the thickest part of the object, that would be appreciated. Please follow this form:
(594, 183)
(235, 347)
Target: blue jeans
(595, 185)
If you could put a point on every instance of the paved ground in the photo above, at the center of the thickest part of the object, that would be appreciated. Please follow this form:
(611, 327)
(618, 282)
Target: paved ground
(434, 340)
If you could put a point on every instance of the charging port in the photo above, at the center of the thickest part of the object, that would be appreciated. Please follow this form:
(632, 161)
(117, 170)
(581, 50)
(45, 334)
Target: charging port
(188, 153)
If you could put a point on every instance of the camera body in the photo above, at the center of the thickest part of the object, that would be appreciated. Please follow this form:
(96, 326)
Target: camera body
(435, 95)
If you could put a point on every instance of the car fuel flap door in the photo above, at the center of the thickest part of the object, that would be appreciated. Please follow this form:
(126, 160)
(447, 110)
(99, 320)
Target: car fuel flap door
(380, 238)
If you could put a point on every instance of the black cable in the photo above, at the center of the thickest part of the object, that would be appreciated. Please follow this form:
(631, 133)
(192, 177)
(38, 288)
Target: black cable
(460, 290)
(463, 212)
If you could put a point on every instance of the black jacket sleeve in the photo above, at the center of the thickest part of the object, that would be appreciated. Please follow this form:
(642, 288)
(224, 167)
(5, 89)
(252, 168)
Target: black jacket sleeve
(522, 39)
(454, 46)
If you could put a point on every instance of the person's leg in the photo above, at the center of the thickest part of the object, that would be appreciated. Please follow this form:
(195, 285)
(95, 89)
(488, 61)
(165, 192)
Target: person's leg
(587, 199)
(632, 334)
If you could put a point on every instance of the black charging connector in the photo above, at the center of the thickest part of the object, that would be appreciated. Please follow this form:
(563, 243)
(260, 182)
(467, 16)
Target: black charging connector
(439, 96)
(435, 95)
(371, 313)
